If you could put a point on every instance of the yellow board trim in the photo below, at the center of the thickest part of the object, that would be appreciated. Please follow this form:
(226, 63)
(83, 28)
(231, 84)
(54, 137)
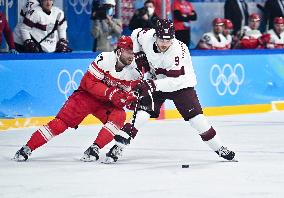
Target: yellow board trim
(6, 124)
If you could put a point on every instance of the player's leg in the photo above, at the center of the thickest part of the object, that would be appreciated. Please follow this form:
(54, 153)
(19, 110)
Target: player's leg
(70, 115)
(113, 119)
(148, 108)
(189, 107)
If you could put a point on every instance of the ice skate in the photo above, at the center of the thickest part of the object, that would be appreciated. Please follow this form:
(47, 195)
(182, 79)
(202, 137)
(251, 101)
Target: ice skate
(225, 153)
(114, 153)
(91, 154)
(22, 154)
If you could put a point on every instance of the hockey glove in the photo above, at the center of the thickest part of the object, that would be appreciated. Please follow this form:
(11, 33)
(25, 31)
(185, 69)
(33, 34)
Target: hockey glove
(145, 86)
(30, 46)
(142, 61)
(62, 46)
(120, 98)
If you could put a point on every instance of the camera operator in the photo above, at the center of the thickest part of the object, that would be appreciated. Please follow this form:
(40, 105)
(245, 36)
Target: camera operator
(144, 17)
(106, 29)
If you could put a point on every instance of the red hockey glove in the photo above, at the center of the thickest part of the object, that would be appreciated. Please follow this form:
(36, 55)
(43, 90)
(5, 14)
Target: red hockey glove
(264, 39)
(120, 98)
(30, 46)
(131, 100)
(62, 46)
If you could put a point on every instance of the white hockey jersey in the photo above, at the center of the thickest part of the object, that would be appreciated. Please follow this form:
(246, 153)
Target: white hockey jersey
(26, 10)
(211, 39)
(276, 41)
(229, 39)
(103, 68)
(172, 70)
(39, 24)
(248, 33)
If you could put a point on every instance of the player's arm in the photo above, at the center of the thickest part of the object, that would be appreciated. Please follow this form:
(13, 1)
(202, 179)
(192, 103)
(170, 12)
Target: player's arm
(140, 57)
(93, 82)
(62, 44)
(205, 42)
(62, 25)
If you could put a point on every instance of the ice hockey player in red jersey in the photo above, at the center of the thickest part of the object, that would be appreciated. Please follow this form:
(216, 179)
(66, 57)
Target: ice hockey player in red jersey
(170, 76)
(103, 92)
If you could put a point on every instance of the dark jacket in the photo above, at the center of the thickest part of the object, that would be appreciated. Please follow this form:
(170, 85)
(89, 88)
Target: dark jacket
(233, 12)
(138, 22)
(271, 10)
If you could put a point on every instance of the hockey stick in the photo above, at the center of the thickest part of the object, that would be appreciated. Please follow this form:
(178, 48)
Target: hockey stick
(135, 112)
(53, 30)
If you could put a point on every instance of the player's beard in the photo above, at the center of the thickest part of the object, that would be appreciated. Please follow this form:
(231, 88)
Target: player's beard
(126, 61)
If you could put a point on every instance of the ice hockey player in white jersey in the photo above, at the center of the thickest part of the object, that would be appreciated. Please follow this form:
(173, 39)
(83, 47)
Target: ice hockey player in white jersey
(171, 76)
(29, 6)
(275, 36)
(215, 39)
(43, 28)
(249, 36)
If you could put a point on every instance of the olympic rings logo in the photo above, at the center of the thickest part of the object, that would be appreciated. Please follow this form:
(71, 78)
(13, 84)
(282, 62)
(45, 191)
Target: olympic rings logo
(227, 79)
(70, 81)
(81, 6)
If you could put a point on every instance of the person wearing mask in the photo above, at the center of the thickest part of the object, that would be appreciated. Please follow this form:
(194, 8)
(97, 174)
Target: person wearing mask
(106, 29)
(144, 17)
(183, 13)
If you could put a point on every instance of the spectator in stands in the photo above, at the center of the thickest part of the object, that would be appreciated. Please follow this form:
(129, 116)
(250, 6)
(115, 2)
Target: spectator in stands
(144, 17)
(5, 29)
(183, 13)
(228, 31)
(95, 7)
(106, 29)
(43, 30)
(159, 11)
(272, 9)
(237, 12)
(275, 37)
(214, 39)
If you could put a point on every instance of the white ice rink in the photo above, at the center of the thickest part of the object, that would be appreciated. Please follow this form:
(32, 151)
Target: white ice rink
(151, 166)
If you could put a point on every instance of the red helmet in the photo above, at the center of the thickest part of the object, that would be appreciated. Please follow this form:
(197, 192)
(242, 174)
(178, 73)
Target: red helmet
(165, 29)
(278, 20)
(218, 21)
(125, 42)
(254, 17)
(228, 24)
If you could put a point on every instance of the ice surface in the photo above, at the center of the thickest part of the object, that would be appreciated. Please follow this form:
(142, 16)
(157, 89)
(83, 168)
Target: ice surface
(151, 166)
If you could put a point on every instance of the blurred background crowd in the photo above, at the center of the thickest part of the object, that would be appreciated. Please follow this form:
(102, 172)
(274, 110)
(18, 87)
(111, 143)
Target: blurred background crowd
(95, 25)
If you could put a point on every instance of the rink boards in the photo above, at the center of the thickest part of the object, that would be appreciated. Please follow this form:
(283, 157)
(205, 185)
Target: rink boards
(34, 87)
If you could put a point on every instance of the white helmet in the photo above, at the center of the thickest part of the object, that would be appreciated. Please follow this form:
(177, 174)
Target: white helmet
(111, 2)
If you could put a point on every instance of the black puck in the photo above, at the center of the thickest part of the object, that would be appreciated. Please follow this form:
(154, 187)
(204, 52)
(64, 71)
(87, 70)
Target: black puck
(185, 166)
